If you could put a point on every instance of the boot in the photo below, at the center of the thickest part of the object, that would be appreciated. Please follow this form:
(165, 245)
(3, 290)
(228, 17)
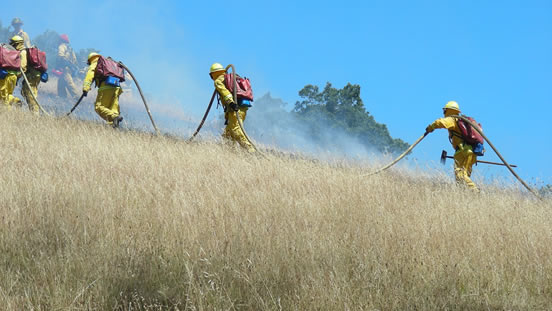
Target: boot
(117, 121)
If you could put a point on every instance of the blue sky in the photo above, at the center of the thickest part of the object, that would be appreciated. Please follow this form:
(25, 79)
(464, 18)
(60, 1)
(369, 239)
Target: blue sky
(409, 57)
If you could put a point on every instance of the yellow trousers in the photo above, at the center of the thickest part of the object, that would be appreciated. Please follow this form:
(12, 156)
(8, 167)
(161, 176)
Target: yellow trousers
(34, 80)
(464, 159)
(7, 85)
(233, 131)
(107, 102)
(66, 85)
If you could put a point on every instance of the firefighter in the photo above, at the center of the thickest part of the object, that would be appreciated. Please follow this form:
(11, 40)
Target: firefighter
(17, 31)
(464, 158)
(32, 74)
(7, 84)
(66, 63)
(233, 130)
(107, 101)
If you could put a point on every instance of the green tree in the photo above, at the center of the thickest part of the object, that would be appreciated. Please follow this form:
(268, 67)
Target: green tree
(344, 109)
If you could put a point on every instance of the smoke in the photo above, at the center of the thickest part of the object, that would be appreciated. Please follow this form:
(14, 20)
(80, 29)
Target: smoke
(147, 37)
(174, 78)
(271, 124)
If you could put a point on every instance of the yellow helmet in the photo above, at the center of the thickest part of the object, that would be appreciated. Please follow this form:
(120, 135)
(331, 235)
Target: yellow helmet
(15, 40)
(452, 105)
(17, 21)
(216, 67)
(92, 56)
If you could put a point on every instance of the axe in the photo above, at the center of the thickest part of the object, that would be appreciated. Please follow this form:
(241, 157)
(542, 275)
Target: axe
(444, 157)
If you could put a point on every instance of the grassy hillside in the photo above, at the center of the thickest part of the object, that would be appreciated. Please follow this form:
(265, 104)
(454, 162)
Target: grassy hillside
(93, 218)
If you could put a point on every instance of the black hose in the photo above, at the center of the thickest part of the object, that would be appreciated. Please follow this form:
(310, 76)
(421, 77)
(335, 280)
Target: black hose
(142, 95)
(74, 107)
(204, 116)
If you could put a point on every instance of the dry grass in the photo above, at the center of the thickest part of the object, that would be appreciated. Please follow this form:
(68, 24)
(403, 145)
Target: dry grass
(93, 218)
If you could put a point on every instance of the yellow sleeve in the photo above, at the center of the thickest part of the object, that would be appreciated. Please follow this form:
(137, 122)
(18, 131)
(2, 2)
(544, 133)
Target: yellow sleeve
(62, 50)
(444, 123)
(23, 56)
(73, 57)
(224, 93)
(89, 78)
(27, 40)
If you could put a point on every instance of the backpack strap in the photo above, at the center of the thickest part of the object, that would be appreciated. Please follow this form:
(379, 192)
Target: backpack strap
(454, 133)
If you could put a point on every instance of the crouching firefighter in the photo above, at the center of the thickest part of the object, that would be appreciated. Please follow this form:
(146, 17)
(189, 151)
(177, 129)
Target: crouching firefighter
(466, 141)
(233, 130)
(107, 76)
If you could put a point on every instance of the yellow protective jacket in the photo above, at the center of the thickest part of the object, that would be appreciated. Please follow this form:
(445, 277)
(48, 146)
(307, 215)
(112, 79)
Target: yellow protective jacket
(22, 55)
(224, 93)
(66, 55)
(28, 70)
(451, 125)
(23, 35)
(90, 76)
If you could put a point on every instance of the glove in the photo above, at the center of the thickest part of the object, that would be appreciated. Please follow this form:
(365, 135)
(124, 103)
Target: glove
(84, 93)
(429, 129)
(233, 106)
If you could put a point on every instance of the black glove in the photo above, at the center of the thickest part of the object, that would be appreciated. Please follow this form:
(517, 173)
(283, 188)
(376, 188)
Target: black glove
(84, 93)
(233, 106)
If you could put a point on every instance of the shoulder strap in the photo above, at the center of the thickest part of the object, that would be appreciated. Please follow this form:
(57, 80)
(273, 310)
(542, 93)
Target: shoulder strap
(454, 133)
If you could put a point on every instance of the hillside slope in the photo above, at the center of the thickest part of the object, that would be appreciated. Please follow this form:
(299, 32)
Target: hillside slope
(94, 218)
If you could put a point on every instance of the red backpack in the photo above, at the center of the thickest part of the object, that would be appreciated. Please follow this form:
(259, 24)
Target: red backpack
(37, 59)
(108, 67)
(9, 58)
(469, 134)
(244, 89)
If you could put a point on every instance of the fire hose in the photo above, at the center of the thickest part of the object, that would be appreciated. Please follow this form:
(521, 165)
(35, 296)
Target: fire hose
(75, 106)
(204, 116)
(235, 96)
(407, 151)
(142, 95)
(473, 125)
(31, 91)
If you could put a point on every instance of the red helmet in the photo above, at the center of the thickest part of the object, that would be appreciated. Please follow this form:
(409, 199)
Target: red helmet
(64, 38)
